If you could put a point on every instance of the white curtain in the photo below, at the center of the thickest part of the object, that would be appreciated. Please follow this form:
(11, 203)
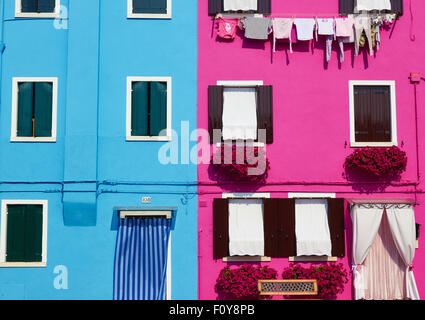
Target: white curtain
(240, 114)
(373, 5)
(402, 224)
(240, 5)
(366, 223)
(312, 228)
(246, 227)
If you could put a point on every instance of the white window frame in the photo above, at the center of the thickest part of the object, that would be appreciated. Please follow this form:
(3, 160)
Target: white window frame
(246, 196)
(156, 213)
(129, 137)
(14, 125)
(132, 15)
(389, 83)
(20, 14)
(241, 83)
(3, 234)
(313, 195)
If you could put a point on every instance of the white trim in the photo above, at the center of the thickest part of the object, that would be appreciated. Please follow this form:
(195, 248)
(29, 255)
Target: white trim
(389, 83)
(14, 124)
(129, 137)
(311, 195)
(312, 258)
(19, 14)
(245, 195)
(3, 234)
(132, 15)
(247, 259)
(135, 213)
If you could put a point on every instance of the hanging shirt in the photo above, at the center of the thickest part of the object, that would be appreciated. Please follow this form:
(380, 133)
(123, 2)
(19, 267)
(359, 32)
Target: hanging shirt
(227, 28)
(369, 5)
(305, 28)
(235, 5)
(344, 27)
(282, 29)
(257, 28)
(326, 27)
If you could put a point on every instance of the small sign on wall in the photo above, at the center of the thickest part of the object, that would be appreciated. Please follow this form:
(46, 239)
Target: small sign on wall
(146, 199)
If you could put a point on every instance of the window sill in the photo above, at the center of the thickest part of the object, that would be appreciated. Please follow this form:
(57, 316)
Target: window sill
(255, 144)
(372, 144)
(28, 139)
(149, 16)
(247, 259)
(37, 15)
(240, 15)
(312, 259)
(134, 138)
(23, 264)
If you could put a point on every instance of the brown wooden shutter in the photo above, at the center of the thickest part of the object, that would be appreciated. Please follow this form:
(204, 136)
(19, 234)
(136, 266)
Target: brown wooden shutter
(265, 111)
(214, 7)
(346, 7)
(264, 7)
(215, 109)
(336, 212)
(220, 228)
(372, 108)
(279, 228)
(397, 7)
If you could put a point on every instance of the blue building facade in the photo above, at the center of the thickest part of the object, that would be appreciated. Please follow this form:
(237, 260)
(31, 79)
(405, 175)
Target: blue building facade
(92, 166)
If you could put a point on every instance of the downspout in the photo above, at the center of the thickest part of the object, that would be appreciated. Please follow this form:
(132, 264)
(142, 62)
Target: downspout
(2, 45)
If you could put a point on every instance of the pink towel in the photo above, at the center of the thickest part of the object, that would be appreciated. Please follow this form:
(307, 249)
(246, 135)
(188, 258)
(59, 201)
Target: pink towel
(282, 29)
(344, 27)
(227, 28)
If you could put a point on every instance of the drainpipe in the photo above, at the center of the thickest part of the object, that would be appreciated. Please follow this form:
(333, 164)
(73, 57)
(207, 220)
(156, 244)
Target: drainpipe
(415, 79)
(2, 45)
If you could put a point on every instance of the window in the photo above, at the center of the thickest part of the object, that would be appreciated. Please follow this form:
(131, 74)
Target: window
(148, 109)
(23, 241)
(372, 113)
(149, 9)
(350, 6)
(34, 109)
(277, 218)
(37, 8)
(239, 109)
(238, 6)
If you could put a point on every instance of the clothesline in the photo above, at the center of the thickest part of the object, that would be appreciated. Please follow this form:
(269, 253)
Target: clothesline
(306, 15)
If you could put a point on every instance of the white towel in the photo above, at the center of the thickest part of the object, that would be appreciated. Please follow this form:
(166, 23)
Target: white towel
(369, 5)
(236, 5)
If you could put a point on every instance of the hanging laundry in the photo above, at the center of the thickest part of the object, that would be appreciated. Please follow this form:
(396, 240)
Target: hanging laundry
(369, 5)
(244, 5)
(344, 27)
(326, 27)
(282, 29)
(227, 28)
(305, 28)
(362, 24)
(257, 28)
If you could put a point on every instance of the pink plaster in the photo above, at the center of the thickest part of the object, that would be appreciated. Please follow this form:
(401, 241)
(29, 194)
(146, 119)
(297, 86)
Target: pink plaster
(311, 117)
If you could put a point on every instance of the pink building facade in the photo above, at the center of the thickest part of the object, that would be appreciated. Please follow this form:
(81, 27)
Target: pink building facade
(313, 125)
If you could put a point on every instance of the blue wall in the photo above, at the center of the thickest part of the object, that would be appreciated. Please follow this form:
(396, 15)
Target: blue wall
(91, 168)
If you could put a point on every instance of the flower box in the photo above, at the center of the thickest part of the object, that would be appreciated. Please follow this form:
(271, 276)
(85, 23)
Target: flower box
(378, 161)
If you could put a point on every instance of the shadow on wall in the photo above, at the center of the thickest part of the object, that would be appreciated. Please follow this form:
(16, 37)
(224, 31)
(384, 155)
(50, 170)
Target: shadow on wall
(367, 183)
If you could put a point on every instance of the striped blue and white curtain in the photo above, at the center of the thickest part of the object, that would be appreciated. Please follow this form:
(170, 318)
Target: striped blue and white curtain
(141, 259)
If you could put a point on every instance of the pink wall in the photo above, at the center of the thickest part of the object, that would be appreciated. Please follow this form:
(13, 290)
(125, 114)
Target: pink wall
(311, 117)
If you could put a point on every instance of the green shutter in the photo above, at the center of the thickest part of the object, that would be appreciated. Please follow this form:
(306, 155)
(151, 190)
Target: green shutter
(139, 108)
(43, 109)
(25, 109)
(33, 232)
(158, 106)
(28, 5)
(15, 243)
(149, 6)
